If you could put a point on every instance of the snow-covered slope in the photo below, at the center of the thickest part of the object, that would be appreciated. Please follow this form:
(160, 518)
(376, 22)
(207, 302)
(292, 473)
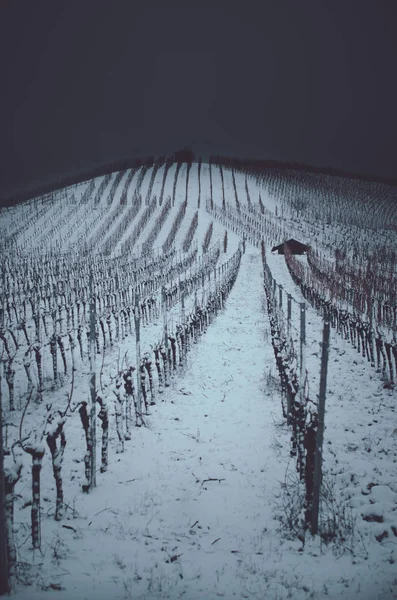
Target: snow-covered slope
(202, 501)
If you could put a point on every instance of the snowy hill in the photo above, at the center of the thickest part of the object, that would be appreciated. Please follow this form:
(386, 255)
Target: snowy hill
(160, 375)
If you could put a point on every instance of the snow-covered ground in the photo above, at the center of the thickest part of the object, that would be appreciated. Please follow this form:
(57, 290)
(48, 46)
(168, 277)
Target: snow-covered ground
(188, 510)
(197, 506)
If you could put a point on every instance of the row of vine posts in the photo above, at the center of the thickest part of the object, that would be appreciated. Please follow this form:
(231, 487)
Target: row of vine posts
(187, 331)
(305, 415)
(307, 425)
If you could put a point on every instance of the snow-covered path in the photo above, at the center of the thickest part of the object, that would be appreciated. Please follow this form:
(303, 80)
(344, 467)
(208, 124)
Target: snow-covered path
(210, 453)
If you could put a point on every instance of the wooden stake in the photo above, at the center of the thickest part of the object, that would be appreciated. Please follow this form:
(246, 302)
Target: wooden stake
(93, 383)
(138, 360)
(302, 347)
(318, 459)
(4, 575)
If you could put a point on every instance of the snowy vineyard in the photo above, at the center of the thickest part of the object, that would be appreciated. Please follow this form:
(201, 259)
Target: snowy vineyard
(374, 338)
(107, 285)
(363, 310)
(46, 314)
(121, 301)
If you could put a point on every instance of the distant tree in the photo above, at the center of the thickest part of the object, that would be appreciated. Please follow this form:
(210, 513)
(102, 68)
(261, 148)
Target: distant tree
(138, 162)
(185, 154)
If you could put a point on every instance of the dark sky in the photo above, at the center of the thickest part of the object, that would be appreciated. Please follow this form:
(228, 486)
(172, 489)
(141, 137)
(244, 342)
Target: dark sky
(89, 81)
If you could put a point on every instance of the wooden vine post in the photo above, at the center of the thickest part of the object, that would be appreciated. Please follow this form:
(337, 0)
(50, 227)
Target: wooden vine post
(302, 348)
(318, 458)
(92, 382)
(137, 320)
(38, 350)
(4, 575)
(183, 321)
(164, 309)
(165, 331)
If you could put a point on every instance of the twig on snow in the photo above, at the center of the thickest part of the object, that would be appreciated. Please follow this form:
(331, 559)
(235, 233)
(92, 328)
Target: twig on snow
(212, 479)
(214, 542)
